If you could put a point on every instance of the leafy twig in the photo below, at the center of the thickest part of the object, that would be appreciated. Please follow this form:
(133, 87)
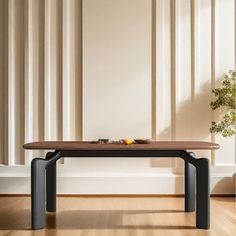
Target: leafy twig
(225, 97)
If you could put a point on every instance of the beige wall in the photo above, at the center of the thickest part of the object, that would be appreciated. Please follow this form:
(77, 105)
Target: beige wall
(72, 70)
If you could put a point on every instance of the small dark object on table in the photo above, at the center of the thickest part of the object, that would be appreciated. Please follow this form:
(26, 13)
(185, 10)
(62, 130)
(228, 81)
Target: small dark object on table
(103, 140)
(143, 141)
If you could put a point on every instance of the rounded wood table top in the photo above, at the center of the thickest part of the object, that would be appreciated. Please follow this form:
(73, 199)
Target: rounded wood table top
(154, 145)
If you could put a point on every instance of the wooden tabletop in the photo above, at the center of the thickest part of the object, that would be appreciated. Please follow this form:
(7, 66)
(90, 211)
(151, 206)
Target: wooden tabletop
(155, 145)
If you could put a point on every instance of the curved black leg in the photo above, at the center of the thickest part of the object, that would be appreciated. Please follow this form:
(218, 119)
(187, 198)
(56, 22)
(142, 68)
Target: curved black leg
(38, 168)
(202, 189)
(51, 181)
(203, 194)
(190, 187)
(38, 193)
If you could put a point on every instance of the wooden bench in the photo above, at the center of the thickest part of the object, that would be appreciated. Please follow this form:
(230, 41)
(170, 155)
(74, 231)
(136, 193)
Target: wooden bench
(43, 171)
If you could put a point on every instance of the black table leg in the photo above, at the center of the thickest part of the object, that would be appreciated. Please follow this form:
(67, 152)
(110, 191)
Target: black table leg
(203, 194)
(38, 168)
(38, 193)
(190, 187)
(202, 189)
(51, 185)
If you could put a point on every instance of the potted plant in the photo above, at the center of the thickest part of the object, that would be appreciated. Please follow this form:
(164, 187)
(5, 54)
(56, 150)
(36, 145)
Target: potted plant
(226, 103)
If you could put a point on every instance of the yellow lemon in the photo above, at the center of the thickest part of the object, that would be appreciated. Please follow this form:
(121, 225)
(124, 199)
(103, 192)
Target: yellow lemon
(128, 141)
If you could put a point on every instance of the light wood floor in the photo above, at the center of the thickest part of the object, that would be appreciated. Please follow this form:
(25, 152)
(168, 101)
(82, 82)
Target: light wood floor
(117, 216)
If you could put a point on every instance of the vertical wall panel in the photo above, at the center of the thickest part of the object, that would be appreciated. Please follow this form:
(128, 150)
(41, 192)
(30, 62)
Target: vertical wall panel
(163, 68)
(68, 70)
(201, 53)
(183, 71)
(72, 69)
(202, 46)
(224, 61)
(3, 79)
(53, 70)
(16, 82)
(78, 46)
(163, 76)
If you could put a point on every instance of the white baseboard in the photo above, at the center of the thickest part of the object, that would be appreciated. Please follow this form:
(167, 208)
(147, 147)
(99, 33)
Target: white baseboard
(161, 184)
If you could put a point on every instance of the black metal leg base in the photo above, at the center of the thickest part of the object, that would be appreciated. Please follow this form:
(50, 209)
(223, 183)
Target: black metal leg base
(38, 168)
(51, 181)
(202, 189)
(190, 186)
(38, 193)
(203, 194)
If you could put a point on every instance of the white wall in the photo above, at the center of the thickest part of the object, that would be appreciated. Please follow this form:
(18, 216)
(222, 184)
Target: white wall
(113, 68)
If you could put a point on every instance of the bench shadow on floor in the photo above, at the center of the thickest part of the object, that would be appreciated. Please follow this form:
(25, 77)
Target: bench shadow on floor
(94, 219)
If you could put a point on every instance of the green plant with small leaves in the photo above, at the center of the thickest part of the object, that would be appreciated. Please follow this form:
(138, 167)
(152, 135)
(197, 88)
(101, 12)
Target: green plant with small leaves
(225, 100)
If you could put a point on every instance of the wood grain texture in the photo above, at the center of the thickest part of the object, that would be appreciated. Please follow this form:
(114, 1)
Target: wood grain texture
(117, 216)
